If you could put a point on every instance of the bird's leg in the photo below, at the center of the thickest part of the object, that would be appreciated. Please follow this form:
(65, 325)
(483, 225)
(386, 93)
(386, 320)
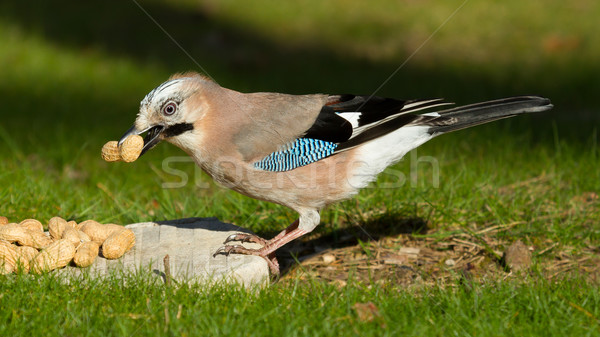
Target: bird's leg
(269, 246)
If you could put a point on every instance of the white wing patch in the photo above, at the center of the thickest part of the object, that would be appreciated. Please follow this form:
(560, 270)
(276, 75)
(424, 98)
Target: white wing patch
(351, 117)
(431, 114)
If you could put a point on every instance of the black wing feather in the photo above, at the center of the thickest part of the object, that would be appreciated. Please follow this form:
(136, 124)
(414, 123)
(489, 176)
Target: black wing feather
(331, 127)
(373, 108)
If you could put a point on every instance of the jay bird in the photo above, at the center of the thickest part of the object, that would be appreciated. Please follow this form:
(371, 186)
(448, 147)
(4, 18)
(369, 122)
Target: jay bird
(300, 151)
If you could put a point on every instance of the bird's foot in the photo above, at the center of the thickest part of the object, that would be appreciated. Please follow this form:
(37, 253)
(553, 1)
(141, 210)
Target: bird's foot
(267, 251)
(262, 252)
(242, 237)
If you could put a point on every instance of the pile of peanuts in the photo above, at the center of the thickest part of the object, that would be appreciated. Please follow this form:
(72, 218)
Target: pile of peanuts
(129, 151)
(25, 247)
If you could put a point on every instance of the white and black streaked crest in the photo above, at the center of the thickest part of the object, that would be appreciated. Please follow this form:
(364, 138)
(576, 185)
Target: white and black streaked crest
(169, 90)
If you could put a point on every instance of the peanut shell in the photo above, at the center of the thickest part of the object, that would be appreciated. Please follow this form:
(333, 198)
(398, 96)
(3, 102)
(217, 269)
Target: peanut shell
(13, 233)
(83, 237)
(56, 227)
(99, 232)
(32, 224)
(24, 236)
(39, 240)
(110, 151)
(131, 148)
(3, 221)
(118, 243)
(24, 256)
(81, 224)
(77, 226)
(27, 252)
(72, 235)
(8, 257)
(76, 237)
(56, 255)
(86, 254)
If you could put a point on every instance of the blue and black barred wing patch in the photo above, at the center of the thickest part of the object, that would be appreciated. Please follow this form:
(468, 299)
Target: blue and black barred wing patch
(301, 152)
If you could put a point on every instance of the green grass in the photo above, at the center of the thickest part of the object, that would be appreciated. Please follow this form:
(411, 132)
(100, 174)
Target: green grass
(72, 75)
(142, 306)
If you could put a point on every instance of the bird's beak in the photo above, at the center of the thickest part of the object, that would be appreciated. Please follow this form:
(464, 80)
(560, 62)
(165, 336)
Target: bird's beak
(152, 137)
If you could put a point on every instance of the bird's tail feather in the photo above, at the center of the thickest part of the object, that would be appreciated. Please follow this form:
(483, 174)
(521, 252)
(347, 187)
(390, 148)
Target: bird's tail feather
(480, 113)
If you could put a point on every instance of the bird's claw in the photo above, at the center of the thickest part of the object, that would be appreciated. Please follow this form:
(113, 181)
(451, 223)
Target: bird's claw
(243, 238)
(226, 250)
(239, 249)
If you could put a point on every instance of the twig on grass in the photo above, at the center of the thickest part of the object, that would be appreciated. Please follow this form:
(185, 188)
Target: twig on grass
(167, 270)
(547, 249)
(499, 227)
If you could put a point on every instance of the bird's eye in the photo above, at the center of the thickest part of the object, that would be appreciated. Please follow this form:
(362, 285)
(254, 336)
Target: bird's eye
(169, 108)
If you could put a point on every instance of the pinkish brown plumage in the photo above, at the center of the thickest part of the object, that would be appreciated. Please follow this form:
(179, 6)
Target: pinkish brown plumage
(300, 151)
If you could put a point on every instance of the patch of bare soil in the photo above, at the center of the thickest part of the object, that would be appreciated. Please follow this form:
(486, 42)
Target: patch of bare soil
(439, 257)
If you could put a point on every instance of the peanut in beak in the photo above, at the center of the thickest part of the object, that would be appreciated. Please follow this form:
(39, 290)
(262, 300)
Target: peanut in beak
(128, 152)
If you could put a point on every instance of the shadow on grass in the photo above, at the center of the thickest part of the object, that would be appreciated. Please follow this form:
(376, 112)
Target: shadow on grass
(377, 228)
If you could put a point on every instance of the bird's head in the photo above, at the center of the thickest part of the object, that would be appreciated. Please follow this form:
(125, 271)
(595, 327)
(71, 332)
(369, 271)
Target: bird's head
(170, 111)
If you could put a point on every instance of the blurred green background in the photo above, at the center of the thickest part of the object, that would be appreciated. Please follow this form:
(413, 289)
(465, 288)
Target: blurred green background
(72, 74)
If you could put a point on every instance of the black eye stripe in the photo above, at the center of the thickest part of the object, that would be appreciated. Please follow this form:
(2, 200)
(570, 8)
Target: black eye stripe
(177, 129)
